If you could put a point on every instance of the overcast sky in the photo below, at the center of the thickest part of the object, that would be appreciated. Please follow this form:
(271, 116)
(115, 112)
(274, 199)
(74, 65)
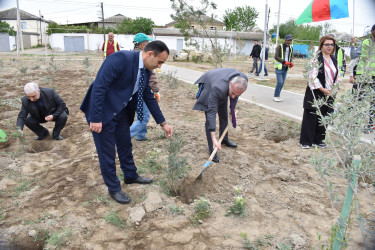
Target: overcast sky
(70, 11)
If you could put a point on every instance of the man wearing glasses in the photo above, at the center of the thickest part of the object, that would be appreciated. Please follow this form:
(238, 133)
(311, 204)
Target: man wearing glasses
(214, 88)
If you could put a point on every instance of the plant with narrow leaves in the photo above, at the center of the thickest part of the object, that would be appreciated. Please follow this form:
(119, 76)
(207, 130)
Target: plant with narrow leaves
(177, 168)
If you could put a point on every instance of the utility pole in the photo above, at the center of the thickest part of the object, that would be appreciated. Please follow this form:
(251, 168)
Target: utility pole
(264, 41)
(19, 31)
(40, 28)
(353, 17)
(278, 24)
(268, 20)
(101, 4)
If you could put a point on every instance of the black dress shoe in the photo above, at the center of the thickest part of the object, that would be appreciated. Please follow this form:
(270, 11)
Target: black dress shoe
(139, 180)
(39, 138)
(229, 143)
(58, 138)
(216, 158)
(120, 197)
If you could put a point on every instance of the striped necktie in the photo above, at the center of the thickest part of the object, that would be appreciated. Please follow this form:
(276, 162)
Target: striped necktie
(140, 95)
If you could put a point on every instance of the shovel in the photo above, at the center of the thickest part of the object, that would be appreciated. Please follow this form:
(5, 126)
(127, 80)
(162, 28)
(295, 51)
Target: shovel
(204, 167)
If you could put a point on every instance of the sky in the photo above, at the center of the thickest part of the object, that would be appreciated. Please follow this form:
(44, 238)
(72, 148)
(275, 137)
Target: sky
(75, 11)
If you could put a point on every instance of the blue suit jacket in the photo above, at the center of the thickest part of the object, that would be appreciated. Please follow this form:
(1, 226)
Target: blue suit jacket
(113, 87)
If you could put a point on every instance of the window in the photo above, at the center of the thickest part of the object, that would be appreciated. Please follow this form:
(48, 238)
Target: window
(213, 28)
(23, 25)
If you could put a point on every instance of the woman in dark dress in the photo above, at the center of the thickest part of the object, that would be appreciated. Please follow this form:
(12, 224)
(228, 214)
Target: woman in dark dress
(322, 80)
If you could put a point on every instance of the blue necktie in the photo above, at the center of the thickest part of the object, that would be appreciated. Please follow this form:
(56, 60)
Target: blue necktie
(232, 112)
(140, 95)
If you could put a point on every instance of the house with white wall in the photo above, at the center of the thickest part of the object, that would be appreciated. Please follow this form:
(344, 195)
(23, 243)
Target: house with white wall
(32, 26)
(238, 43)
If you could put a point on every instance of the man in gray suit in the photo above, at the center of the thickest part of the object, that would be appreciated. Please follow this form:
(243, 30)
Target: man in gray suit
(214, 88)
(40, 106)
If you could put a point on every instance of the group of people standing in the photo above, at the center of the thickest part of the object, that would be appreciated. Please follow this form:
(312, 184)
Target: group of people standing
(125, 85)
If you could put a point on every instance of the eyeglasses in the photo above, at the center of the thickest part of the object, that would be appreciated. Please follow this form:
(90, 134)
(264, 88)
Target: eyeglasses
(329, 44)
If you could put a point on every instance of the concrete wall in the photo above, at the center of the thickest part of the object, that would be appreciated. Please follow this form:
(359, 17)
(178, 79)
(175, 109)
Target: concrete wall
(243, 47)
(92, 42)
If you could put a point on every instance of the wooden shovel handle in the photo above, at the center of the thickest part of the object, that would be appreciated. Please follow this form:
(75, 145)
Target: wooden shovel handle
(220, 140)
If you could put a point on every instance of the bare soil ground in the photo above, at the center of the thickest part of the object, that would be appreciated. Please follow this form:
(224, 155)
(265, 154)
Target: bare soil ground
(53, 196)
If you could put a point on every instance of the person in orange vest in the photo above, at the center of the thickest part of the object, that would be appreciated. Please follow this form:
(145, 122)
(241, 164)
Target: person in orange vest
(110, 46)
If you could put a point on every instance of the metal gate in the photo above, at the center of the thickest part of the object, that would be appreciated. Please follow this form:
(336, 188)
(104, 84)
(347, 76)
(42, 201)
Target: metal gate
(180, 44)
(4, 42)
(74, 44)
(26, 41)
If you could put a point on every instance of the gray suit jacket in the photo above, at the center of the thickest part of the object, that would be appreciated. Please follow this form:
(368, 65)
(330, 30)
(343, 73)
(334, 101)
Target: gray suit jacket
(215, 92)
(52, 101)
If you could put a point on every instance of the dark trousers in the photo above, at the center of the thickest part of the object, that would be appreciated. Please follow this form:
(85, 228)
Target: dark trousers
(223, 122)
(255, 65)
(312, 131)
(116, 135)
(34, 124)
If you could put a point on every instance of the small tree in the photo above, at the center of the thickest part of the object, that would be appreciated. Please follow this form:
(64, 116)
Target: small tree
(187, 15)
(351, 115)
(5, 27)
(241, 18)
(139, 25)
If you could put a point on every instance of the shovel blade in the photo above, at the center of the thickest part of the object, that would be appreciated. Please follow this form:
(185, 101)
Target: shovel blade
(204, 167)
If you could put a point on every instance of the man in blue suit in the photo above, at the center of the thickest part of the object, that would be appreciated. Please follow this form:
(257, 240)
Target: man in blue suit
(120, 87)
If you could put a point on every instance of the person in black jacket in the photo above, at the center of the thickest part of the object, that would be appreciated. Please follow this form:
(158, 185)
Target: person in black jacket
(322, 81)
(40, 106)
(255, 54)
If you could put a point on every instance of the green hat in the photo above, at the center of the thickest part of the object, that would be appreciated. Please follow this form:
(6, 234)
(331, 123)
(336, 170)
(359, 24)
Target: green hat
(140, 37)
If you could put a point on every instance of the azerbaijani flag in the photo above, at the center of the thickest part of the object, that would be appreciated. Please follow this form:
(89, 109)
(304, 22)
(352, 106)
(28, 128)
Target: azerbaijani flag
(320, 10)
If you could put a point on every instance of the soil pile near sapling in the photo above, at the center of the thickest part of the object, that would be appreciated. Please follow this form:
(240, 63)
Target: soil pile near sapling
(52, 192)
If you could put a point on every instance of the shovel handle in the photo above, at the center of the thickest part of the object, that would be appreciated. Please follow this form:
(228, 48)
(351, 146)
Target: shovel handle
(220, 140)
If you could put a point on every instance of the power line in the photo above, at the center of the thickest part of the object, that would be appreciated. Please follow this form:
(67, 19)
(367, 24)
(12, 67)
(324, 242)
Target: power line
(51, 13)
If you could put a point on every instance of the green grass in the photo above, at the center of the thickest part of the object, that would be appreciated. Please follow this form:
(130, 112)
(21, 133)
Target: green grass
(112, 218)
(24, 187)
(57, 239)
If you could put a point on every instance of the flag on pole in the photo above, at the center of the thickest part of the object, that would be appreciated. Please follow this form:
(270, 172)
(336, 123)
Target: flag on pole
(320, 10)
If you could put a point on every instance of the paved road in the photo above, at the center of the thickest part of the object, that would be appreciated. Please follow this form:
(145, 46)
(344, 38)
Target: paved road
(255, 93)
(260, 95)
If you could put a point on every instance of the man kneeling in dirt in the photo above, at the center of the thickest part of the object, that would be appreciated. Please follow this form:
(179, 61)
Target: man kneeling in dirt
(214, 88)
(40, 106)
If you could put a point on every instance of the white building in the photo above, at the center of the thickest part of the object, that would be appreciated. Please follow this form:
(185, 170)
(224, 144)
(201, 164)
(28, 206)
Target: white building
(32, 27)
